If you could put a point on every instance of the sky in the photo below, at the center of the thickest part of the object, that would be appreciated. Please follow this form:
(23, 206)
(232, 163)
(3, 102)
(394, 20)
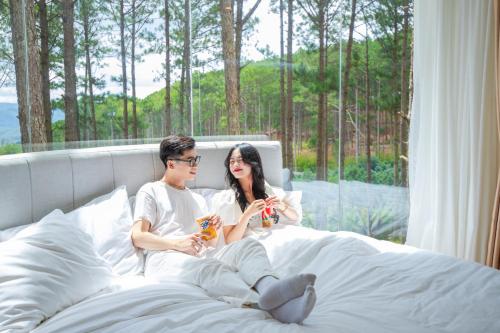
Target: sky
(266, 33)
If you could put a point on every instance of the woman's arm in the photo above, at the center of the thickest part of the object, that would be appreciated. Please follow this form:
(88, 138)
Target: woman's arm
(288, 211)
(144, 239)
(283, 207)
(233, 233)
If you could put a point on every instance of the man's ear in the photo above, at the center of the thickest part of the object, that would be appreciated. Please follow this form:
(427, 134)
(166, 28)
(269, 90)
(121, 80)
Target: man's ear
(170, 164)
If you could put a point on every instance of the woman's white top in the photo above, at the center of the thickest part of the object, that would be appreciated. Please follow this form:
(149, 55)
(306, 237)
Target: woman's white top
(227, 207)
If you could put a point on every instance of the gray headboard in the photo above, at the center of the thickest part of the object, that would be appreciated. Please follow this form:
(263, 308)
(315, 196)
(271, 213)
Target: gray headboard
(33, 184)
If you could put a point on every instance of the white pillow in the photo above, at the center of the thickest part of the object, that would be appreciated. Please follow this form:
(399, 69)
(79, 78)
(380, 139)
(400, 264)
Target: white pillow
(207, 194)
(292, 199)
(131, 202)
(46, 268)
(108, 220)
(7, 234)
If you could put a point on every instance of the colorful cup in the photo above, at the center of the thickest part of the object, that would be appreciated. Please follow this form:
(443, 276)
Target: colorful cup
(207, 229)
(266, 218)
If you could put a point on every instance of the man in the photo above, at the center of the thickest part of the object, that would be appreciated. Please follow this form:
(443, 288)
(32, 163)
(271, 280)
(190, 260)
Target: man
(165, 214)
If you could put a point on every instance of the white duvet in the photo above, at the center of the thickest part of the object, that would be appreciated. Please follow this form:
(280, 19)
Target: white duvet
(363, 285)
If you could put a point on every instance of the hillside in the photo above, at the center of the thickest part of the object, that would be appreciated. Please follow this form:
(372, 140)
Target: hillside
(9, 124)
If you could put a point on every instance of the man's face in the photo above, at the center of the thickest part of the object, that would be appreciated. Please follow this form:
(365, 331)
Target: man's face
(181, 167)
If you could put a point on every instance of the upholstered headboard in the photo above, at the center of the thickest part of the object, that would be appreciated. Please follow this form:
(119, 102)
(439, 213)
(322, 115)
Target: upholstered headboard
(33, 184)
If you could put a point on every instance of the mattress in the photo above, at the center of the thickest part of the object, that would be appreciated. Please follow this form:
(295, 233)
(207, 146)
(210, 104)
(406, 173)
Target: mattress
(363, 285)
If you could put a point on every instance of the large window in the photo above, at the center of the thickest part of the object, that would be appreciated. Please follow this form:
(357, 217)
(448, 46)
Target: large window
(330, 79)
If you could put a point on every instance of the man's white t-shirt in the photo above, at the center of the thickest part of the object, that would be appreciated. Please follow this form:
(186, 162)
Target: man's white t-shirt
(171, 212)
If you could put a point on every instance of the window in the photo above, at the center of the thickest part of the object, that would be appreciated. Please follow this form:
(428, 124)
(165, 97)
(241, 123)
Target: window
(330, 79)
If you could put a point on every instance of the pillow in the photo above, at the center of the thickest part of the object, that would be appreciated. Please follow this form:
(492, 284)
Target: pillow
(46, 268)
(108, 220)
(11, 232)
(207, 194)
(131, 202)
(293, 199)
(287, 179)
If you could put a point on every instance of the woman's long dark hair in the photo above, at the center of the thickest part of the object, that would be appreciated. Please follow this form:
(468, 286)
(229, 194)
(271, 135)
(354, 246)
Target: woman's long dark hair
(250, 156)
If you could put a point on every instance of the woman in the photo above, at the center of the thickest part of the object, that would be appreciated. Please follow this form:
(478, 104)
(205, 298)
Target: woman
(250, 204)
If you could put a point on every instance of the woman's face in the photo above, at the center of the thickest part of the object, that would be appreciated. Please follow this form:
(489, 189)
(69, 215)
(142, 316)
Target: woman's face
(237, 166)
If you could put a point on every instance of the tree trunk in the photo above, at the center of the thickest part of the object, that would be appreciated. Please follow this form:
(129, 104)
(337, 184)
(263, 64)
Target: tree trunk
(168, 100)
(230, 69)
(132, 72)
(403, 125)
(124, 69)
(325, 98)
(238, 33)
(345, 90)
(44, 64)
(71, 130)
(187, 62)
(395, 122)
(18, 44)
(28, 76)
(88, 69)
(239, 24)
(378, 120)
(181, 95)
(321, 168)
(356, 123)
(367, 112)
(84, 100)
(283, 117)
(289, 88)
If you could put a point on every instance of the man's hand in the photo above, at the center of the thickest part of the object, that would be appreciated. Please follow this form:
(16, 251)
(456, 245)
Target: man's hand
(191, 245)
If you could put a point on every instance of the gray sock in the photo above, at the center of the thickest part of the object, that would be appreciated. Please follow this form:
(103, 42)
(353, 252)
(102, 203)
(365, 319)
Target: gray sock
(297, 309)
(274, 292)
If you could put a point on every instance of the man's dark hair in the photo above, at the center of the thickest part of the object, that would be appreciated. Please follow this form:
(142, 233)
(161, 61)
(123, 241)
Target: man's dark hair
(173, 146)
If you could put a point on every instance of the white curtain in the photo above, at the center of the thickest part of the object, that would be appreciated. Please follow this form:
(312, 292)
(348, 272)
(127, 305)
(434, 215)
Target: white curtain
(453, 147)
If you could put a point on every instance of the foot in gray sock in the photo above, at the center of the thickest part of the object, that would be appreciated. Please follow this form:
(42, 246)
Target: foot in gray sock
(297, 309)
(274, 292)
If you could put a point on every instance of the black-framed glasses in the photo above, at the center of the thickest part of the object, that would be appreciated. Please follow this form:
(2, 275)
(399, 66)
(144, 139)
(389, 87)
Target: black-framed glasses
(191, 161)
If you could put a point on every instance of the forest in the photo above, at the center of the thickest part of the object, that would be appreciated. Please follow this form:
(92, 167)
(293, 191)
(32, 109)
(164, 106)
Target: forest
(337, 94)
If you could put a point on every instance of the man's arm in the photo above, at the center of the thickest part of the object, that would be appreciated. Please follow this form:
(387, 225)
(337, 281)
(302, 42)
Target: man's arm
(144, 239)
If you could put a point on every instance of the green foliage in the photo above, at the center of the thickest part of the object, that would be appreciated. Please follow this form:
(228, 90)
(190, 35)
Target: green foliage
(305, 162)
(58, 131)
(382, 169)
(381, 223)
(10, 149)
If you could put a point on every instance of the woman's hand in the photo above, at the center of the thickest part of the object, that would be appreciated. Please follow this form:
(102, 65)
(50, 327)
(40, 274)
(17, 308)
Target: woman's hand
(216, 222)
(191, 245)
(274, 202)
(255, 207)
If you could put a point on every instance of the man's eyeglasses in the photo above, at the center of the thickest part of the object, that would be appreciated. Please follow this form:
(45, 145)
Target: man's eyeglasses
(191, 161)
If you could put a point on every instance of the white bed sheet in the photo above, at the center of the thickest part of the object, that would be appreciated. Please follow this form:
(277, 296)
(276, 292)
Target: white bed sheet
(363, 285)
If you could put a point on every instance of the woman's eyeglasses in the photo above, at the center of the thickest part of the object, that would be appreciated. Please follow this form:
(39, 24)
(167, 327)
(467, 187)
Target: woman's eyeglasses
(191, 161)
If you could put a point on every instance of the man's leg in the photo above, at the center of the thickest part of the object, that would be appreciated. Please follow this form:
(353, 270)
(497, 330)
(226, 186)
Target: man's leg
(215, 277)
(250, 258)
(297, 309)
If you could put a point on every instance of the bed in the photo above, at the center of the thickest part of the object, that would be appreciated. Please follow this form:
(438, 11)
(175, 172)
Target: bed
(363, 284)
